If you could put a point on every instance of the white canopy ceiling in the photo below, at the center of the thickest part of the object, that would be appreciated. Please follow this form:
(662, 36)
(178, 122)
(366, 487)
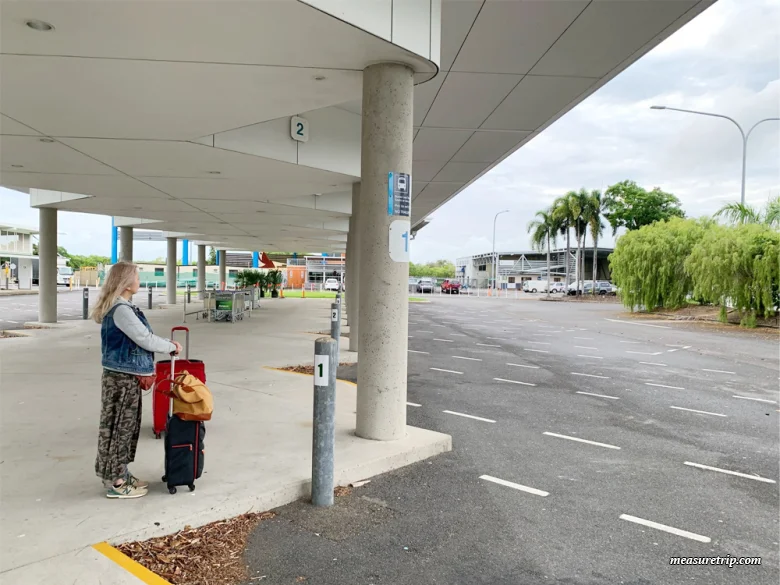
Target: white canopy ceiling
(181, 115)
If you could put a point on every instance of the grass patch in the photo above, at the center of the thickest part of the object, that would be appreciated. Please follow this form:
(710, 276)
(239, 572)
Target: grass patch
(417, 300)
(310, 294)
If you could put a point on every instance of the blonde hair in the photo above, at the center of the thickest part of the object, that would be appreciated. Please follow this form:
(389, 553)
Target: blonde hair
(120, 278)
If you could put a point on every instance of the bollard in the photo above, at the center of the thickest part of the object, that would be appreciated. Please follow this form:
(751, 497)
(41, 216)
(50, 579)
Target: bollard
(324, 435)
(85, 304)
(338, 298)
(189, 291)
(335, 322)
(149, 296)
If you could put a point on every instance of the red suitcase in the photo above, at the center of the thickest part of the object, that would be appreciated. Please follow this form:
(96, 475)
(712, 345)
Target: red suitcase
(162, 386)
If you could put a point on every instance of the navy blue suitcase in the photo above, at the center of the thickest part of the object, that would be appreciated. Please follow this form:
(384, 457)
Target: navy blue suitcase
(183, 452)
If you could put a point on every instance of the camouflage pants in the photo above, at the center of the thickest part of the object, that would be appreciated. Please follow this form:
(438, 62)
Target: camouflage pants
(120, 424)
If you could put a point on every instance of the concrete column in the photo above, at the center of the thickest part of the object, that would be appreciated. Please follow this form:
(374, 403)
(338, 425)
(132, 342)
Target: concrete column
(222, 256)
(47, 265)
(201, 270)
(354, 296)
(348, 267)
(386, 145)
(170, 271)
(126, 243)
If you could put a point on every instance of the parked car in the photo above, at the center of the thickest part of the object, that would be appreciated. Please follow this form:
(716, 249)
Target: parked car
(557, 287)
(425, 285)
(603, 287)
(450, 287)
(332, 284)
(534, 286)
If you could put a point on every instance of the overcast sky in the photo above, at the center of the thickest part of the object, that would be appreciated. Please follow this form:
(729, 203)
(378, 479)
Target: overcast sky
(727, 61)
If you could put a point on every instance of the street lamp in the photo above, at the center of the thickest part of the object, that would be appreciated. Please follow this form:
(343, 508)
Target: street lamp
(495, 260)
(745, 136)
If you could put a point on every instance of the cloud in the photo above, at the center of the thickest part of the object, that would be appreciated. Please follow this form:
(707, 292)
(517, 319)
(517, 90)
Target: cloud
(727, 60)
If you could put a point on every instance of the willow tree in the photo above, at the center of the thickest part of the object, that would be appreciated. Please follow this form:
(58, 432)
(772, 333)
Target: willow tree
(648, 264)
(740, 267)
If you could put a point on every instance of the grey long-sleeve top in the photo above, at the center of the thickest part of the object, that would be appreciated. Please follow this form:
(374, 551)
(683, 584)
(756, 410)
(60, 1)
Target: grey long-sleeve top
(127, 321)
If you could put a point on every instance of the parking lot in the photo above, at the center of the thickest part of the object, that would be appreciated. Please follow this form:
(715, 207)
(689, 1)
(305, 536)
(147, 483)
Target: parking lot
(589, 447)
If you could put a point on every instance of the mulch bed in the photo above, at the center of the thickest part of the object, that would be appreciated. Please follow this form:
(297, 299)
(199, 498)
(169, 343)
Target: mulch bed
(208, 555)
(307, 369)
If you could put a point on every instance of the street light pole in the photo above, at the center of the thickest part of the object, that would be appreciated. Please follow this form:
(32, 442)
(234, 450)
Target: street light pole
(745, 135)
(495, 260)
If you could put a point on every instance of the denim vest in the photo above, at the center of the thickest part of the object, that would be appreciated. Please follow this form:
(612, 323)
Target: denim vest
(120, 353)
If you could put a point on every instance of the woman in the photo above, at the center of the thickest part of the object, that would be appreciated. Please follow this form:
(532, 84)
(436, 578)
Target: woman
(128, 347)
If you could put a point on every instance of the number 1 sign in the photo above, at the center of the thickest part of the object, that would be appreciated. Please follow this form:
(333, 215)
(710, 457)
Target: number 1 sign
(399, 240)
(321, 370)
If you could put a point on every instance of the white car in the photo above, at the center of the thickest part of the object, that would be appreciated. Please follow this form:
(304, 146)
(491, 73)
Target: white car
(332, 284)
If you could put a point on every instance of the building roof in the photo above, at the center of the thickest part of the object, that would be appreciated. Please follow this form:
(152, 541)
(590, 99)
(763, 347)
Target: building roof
(18, 229)
(179, 120)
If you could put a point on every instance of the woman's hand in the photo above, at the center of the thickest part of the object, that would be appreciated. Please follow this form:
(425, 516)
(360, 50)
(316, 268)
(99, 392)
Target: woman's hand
(178, 348)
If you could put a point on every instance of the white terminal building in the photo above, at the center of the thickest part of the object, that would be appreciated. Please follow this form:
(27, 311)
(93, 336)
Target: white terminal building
(320, 125)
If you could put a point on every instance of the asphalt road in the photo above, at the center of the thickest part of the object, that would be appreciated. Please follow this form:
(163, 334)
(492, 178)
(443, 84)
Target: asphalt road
(16, 310)
(589, 448)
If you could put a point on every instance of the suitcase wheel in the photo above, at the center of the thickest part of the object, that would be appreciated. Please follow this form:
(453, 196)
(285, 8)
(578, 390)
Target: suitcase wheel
(157, 435)
(164, 478)
(192, 487)
(171, 490)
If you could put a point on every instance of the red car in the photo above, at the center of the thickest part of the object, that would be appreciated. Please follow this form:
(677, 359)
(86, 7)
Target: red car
(450, 287)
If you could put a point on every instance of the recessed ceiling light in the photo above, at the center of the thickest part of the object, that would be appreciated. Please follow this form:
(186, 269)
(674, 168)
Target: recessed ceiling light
(46, 139)
(319, 78)
(18, 166)
(39, 25)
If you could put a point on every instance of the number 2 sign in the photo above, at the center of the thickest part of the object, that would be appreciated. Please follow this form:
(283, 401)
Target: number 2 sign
(299, 129)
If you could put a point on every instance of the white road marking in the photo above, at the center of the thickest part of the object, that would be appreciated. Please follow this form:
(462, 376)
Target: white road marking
(653, 364)
(458, 334)
(488, 345)
(590, 375)
(468, 416)
(415, 351)
(586, 338)
(634, 342)
(644, 352)
(14, 322)
(737, 473)
(421, 331)
(497, 338)
(513, 382)
(536, 350)
(447, 371)
(669, 529)
(410, 336)
(435, 325)
(717, 371)
(516, 486)
(756, 399)
(540, 342)
(586, 347)
(599, 395)
(642, 324)
(524, 366)
(664, 386)
(593, 357)
(445, 340)
(697, 411)
(413, 404)
(460, 357)
(542, 335)
(580, 440)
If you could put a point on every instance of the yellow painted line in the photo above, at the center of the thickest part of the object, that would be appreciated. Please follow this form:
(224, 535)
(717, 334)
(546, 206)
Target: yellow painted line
(129, 565)
(304, 374)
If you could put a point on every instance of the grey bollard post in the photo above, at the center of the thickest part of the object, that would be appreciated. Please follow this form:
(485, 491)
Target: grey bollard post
(324, 435)
(85, 304)
(189, 291)
(149, 296)
(335, 323)
(338, 298)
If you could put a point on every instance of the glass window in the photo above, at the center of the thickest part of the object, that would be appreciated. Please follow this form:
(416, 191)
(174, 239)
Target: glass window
(158, 271)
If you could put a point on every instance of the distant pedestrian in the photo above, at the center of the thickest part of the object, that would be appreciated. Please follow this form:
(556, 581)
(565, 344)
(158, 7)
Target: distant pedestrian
(128, 347)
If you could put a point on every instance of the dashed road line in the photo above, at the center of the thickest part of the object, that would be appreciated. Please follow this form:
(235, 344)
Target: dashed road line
(487, 345)
(586, 347)
(517, 486)
(415, 351)
(737, 473)
(584, 338)
(654, 364)
(460, 357)
(524, 366)
(444, 340)
(413, 404)
(536, 350)
(421, 331)
(540, 342)
(458, 334)
(590, 375)
(578, 440)
(641, 324)
(697, 411)
(447, 371)
(468, 416)
(632, 342)
(644, 352)
(513, 382)
(665, 528)
(756, 399)
(717, 371)
(598, 395)
(593, 357)
(663, 386)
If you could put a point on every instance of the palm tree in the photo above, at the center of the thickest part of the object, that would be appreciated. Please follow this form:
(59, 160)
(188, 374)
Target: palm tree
(543, 231)
(577, 202)
(741, 213)
(594, 213)
(561, 211)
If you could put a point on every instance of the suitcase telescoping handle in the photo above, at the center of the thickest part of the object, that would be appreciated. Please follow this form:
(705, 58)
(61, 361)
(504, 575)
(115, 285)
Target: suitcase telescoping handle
(186, 340)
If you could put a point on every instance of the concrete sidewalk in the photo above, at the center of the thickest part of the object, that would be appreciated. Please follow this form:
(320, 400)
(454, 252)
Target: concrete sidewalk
(258, 446)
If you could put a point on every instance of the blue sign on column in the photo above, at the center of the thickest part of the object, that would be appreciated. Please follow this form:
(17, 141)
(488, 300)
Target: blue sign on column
(399, 187)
